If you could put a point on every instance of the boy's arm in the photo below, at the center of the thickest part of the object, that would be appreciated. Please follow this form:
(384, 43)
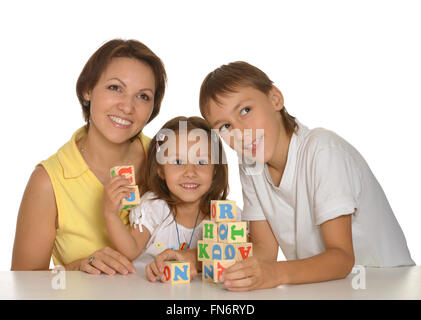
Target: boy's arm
(335, 262)
(265, 245)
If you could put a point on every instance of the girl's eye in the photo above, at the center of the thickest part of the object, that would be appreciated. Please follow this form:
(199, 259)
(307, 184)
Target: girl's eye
(202, 162)
(244, 111)
(224, 127)
(114, 87)
(144, 97)
(176, 161)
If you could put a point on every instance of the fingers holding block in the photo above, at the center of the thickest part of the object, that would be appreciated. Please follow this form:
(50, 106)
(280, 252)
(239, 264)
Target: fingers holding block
(176, 272)
(219, 266)
(125, 171)
(134, 198)
(223, 210)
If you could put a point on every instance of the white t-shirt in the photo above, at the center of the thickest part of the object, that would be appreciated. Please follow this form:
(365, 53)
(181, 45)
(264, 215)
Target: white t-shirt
(157, 217)
(325, 177)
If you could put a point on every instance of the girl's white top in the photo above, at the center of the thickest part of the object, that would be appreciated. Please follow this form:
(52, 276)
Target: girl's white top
(156, 216)
(324, 178)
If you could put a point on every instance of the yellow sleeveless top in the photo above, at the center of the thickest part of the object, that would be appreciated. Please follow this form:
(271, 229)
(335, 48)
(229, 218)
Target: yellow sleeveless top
(78, 192)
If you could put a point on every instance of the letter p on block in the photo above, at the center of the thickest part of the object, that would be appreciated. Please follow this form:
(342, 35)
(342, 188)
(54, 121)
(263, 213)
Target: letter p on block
(223, 211)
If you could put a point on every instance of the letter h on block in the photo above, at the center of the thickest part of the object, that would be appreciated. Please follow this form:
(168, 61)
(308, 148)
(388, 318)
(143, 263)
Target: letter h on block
(223, 211)
(210, 231)
(176, 272)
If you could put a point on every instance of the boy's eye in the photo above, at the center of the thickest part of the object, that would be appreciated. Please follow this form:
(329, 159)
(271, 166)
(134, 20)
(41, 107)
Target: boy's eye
(143, 96)
(245, 110)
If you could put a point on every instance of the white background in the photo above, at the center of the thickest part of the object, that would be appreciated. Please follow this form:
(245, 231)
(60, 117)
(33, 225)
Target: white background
(353, 67)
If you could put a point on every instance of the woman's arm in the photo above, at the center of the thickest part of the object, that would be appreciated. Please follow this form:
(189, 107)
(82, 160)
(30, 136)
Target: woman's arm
(130, 243)
(36, 224)
(335, 262)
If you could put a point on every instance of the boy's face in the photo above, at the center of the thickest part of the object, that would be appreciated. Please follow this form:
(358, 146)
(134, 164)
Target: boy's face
(249, 121)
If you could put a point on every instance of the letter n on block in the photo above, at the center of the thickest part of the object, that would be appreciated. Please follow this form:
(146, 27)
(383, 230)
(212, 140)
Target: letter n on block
(177, 272)
(223, 211)
(207, 271)
(210, 231)
(219, 266)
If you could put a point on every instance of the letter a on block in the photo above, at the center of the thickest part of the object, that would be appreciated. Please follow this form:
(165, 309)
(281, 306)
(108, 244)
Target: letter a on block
(223, 210)
(244, 250)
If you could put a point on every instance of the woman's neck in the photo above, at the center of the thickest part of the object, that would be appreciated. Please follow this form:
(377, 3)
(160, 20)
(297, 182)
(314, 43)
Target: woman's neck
(102, 152)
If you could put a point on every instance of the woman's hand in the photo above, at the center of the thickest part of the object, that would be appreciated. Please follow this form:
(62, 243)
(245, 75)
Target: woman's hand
(155, 269)
(115, 190)
(251, 274)
(108, 261)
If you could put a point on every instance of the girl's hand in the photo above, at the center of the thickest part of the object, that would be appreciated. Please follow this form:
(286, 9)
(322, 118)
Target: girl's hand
(250, 274)
(108, 261)
(114, 191)
(155, 269)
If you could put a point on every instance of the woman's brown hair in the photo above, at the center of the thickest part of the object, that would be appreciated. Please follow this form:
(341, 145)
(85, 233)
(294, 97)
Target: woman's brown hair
(219, 188)
(119, 48)
(229, 77)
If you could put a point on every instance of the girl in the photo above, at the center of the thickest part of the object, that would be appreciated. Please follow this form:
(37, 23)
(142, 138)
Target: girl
(315, 196)
(182, 176)
(120, 90)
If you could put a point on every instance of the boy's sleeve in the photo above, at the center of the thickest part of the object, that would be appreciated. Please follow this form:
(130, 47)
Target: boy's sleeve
(252, 210)
(337, 184)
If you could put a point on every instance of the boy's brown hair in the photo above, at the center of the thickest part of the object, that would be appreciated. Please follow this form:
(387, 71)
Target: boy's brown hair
(119, 48)
(229, 77)
(219, 188)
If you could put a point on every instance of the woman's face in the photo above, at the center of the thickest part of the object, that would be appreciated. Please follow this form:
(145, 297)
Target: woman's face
(122, 100)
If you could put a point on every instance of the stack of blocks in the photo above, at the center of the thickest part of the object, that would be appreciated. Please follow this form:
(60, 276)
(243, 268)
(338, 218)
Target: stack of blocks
(224, 240)
(128, 173)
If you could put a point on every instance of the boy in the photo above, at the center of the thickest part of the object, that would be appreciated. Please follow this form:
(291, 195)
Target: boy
(316, 197)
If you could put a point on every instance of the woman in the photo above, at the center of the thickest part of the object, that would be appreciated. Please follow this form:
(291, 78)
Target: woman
(120, 89)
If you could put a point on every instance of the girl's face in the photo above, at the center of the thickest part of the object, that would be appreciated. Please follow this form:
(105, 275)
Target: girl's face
(249, 121)
(188, 172)
(122, 100)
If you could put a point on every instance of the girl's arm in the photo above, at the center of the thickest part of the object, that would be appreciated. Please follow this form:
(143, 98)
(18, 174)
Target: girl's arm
(36, 224)
(131, 242)
(335, 262)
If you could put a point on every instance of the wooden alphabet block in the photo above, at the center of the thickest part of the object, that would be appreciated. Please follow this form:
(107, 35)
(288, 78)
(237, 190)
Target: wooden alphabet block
(207, 270)
(229, 251)
(207, 250)
(133, 200)
(232, 232)
(176, 272)
(223, 211)
(219, 266)
(204, 249)
(243, 251)
(210, 231)
(125, 171)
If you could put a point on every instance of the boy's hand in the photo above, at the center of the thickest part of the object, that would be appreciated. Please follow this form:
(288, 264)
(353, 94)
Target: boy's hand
(250, 274)
(155, 269)
(115, 190)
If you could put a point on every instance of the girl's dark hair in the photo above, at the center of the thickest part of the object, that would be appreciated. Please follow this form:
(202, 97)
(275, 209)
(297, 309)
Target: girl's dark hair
(229, 77)
(119, 48)
(219, 188)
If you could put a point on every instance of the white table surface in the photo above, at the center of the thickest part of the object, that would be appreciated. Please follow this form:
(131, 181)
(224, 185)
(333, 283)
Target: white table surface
(381, 283)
